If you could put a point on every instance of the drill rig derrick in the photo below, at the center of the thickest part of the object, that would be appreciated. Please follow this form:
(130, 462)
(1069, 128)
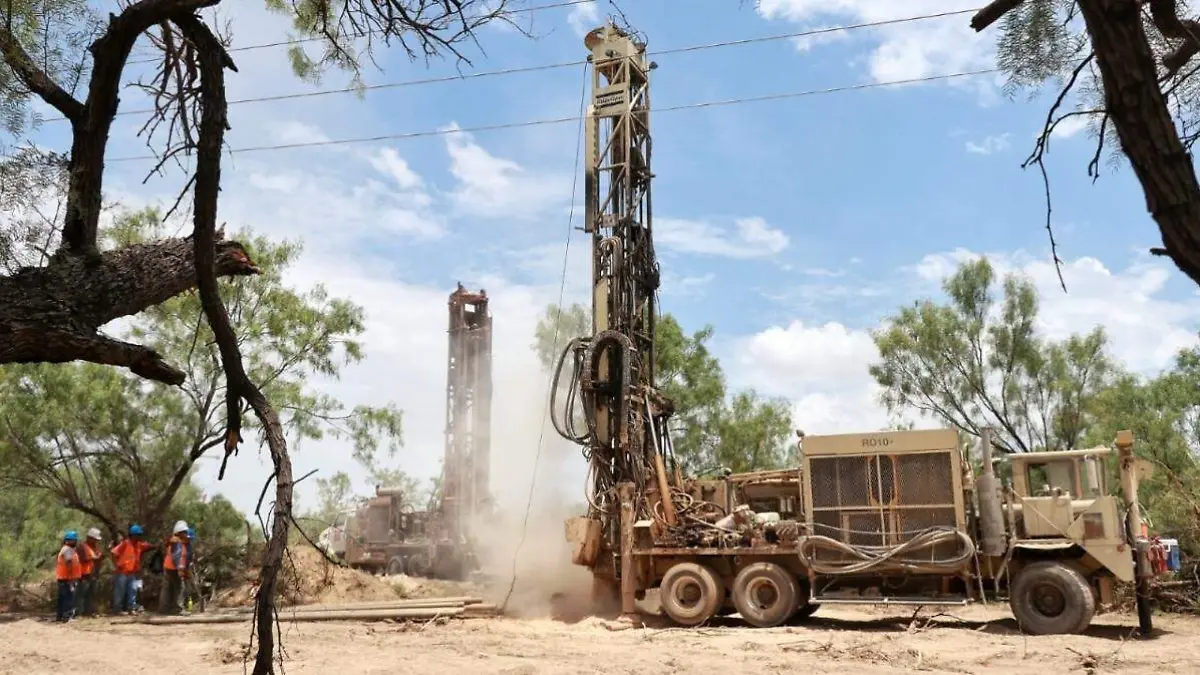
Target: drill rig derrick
(466, 465)
(613, 382)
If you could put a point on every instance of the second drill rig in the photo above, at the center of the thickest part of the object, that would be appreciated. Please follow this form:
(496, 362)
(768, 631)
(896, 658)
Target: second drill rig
(614, 409)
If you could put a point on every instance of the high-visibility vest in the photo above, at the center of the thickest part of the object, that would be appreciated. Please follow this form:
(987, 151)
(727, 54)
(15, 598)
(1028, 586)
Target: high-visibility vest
(67, 567)
(87, 559)
(127, 556)
(168, 554)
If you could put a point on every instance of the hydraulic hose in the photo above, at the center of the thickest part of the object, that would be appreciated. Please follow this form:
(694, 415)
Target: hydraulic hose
(867, 558)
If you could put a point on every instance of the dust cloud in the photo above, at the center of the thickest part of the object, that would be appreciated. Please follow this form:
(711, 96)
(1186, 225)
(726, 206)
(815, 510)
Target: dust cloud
(531, 557)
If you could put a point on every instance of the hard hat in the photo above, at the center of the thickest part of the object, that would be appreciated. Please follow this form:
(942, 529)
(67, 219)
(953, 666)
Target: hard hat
(94, 534)
(135, 530)
(71, 536)
(180, 527)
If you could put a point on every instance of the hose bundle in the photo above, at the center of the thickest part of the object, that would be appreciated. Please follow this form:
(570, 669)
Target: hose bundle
(865, 559)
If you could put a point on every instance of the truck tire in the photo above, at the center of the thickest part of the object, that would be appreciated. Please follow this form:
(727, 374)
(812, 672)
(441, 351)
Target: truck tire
(418, 565)
(691, 593)
(804, 606)
(765, 594)
(1052, 598)
(395, 566)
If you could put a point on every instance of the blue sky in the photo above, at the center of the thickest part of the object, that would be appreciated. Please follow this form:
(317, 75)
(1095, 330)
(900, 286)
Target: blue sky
(793, 226)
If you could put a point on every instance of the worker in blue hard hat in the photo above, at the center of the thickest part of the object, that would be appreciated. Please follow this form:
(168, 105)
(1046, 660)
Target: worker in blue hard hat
(67, 570)
(127, 557)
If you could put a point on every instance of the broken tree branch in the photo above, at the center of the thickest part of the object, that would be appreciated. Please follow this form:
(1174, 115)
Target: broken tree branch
(1165, 14)
(52, 314)
(992, 13)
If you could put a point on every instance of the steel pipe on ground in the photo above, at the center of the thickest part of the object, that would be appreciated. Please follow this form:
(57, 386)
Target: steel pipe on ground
(381, 604)
(285, 617)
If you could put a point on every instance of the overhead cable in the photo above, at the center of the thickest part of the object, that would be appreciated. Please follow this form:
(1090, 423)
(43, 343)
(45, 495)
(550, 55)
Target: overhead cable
(575, 118)
(563, 64)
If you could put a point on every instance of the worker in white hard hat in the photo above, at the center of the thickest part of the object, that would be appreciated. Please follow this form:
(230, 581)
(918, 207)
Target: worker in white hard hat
(175, 569)
(90, 554)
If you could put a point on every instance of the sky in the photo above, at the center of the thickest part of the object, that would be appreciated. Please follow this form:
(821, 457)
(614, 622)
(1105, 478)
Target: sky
(793, 226)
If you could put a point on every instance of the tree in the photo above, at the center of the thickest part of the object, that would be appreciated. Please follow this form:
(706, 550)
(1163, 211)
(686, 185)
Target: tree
(973, 362)
(709, 431)
(1131, 69)
(103, 443)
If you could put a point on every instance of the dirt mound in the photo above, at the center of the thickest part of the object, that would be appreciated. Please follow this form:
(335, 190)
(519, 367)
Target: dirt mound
(418, 587)
(308, 578)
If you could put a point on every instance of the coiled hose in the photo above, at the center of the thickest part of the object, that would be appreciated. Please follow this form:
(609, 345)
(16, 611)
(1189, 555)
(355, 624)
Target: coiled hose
(867, 558)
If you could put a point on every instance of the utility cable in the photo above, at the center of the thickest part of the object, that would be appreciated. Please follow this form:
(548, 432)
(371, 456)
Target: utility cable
(554, 66)
(560, 120)
(376, 31)
(562, 289)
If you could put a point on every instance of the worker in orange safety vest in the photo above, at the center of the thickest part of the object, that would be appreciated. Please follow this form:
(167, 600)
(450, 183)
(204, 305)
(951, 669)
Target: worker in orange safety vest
(127, 558)
(175, 569)
(67, 570)
(90, 554)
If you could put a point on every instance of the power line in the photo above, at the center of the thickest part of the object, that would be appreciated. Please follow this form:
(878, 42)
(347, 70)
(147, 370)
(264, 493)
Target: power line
(288, 43)
(575, 118)
(569, 64)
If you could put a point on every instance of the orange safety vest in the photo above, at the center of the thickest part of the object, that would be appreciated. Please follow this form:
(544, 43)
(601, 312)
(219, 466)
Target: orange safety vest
(88, 558)
(127, 556)
(167, 559)
(67, 567)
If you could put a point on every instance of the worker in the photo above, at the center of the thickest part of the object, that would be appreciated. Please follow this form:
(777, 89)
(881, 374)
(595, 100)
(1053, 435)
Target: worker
(175, 569)
(191, 587)
(127, 557)
(67, 571)
(89, 558)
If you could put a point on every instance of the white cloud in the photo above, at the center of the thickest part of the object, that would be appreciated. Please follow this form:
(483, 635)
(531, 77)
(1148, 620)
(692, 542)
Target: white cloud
(989, 145)
(388, 161)
(750, 238)
(806, 43)
(901, 51)
(583, 18)
(495, 187)
(823, 369)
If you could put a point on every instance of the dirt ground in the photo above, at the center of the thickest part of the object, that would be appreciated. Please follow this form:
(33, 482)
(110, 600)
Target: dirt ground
(866, 641)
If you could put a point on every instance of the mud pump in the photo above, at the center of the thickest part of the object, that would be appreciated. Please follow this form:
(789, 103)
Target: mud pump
(874, 518)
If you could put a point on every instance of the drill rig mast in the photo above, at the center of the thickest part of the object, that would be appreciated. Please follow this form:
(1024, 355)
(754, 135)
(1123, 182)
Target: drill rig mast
(624, 434)
(465, 473)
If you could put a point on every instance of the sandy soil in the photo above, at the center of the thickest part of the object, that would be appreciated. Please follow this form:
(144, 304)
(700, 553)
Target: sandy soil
(977, 640)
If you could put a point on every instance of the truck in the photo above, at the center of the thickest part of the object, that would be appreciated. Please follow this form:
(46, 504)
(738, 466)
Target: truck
(384, 536)
(889, 518)
(892, 517)
(387, 536)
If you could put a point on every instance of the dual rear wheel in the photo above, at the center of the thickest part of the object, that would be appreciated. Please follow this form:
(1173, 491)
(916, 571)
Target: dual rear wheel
(763, 593)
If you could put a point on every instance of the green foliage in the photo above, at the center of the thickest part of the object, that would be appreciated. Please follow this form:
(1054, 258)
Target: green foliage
(119, 449)
(31, 526)
(709, 429)
(973, 362)
(1162, 414)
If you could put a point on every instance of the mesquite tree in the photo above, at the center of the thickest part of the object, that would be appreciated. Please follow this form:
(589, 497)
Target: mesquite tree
(59, 52)
(1126, 65)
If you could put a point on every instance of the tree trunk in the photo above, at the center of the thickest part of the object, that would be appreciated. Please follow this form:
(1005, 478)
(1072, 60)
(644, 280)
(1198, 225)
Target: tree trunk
(51, 314)
(1143, 122)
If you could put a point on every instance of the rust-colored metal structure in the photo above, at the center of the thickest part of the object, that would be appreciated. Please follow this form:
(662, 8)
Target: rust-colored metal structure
(467, 461)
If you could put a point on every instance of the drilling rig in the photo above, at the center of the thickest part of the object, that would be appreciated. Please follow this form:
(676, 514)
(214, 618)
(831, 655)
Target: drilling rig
(893, 517)
(385, 534)
(623, 414)
(467, 461)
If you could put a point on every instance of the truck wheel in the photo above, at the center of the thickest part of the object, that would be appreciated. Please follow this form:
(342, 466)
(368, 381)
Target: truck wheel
(418, 565)
(395, 566)
(691, 593)
(1051, 598)
(765, 594)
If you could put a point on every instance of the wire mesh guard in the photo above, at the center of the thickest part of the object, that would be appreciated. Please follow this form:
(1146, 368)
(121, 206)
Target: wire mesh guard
(882, 500)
